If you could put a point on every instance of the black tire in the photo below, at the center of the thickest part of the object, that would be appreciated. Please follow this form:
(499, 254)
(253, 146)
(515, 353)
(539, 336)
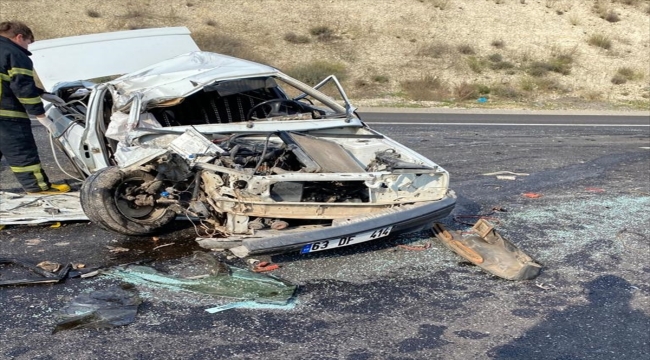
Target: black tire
(101, 203)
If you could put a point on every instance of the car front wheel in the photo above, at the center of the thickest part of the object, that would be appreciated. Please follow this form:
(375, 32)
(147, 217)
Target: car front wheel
(115, 200)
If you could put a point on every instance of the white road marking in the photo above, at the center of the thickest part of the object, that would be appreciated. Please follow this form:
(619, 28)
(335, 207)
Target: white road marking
(503, 124)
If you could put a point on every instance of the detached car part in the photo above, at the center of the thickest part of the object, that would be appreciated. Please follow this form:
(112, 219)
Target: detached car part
(487, 249)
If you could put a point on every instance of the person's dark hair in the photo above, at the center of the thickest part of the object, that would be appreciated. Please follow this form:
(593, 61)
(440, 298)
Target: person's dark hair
(12, 28)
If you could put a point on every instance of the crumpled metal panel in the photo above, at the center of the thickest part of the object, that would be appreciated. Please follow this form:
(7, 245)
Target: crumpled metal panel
(18, 209)
(183, 75)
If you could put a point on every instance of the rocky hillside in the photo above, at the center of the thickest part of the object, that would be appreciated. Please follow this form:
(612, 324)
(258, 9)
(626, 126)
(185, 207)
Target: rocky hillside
(590, 54)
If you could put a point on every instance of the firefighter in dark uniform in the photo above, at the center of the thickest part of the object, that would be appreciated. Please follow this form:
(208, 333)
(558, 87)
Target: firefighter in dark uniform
(20, 98)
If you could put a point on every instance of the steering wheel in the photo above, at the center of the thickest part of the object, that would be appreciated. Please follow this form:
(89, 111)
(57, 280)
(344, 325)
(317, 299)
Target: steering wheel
(275, 106)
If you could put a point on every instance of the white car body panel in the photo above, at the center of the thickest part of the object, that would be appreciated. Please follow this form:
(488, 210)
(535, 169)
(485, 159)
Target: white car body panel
(99, 55)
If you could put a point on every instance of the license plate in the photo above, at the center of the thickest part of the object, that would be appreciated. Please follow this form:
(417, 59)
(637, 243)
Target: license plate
(346, 240)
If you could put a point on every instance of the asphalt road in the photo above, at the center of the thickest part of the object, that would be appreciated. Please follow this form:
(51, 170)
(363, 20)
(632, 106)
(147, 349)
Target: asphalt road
(589, 230)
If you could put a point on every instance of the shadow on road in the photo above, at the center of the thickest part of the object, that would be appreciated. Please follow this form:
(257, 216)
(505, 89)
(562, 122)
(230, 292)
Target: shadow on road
(606, 328)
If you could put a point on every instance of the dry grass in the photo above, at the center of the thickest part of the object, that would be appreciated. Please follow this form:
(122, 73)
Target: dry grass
(427, 88)
(600, 41)
(507, 92)
(224, 44)
(560, 62)
(477, 64)
(313, 72)
(435, 50)
(498, 43)
(498, 63)
(469, 91)
(381, 79)
(93, 13)
(625, 74)
(611, 16)
(466, 49)
(628, 2)
(323, 33)
(296, 39)
(440, 4)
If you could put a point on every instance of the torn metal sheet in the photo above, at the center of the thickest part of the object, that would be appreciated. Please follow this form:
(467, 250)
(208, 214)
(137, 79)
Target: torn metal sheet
(485, 248)
(46, 277)
(115, 306)
(37, 209)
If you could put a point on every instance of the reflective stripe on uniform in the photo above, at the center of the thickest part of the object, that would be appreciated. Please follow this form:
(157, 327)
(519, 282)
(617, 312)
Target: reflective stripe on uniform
(16, 71)
(15, 114)
(28, 101)
(5, 77)
(36, 170)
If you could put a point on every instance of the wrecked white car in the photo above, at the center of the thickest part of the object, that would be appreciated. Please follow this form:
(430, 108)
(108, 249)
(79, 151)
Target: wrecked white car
(258, 161)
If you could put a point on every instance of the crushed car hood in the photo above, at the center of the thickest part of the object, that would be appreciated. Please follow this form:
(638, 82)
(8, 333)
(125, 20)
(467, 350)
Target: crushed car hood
(183, 75)
(95, 56)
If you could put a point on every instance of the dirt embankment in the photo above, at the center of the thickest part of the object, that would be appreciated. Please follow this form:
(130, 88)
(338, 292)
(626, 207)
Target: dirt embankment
(548, 54)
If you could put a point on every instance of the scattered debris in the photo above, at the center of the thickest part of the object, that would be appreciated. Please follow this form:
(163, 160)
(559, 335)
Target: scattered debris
(485, 248)
(49, 266)
(116, 306)
(421, 247)
(162, 246)
(116, 249)
(532, 195)
(46, 276)
(33, 242)
(545, 286)
(264, 266)
(90, 274)
(506, 177)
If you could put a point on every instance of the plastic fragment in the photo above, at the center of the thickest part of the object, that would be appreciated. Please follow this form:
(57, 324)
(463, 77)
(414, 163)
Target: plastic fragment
(484, 247)
(532, 195)
(264, 266)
